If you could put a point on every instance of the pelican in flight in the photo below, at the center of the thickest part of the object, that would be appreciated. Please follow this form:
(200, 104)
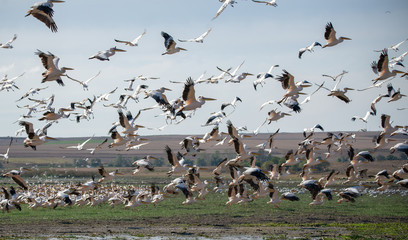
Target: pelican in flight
(224, 6)
(197, 39)
(35, 137)
(80, 146)
(381, 68)
(308, 48)
(99, 146)
(107, 176)
(189, 100)
(395, 46)
(43, 11)
(288, 84)
(330, 36)
(133, 43)
(269, 3)
(8, 45)
(16, 176)
(170, 44)
(261, 77)
(174, 160)
(234, 76)
(340, 94)
(104, 55)
(6, 155)
(53, 72)
(143, 163)
(84, 83)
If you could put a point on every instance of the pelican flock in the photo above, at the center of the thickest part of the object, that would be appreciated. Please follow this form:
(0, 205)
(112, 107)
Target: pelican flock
(239, 174)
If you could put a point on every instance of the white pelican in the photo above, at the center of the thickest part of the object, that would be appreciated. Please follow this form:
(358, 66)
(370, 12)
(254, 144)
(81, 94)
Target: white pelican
(191, 145)
(129, 127)
(143, 163)
(8, 45)
(386, 124)
(53, 72)
(197, 39)
(105, 96)
(52, 115)
(107, 176)
(234, 76)
(398, 60)
(214, 135)
(340, 94)
(310, 161)
(269, 142)
(16, 176)
(308, 48)
(355, 158)
(330, 36)
(365, 118)
(6, 155)
(104, 55)
(330, 178)
(35, 137)
(396, 96)
(223, 7)
(381, 67)
(173, 159)
(313, 186)
(288, 84)
(99, 146)
(261, 77)
(275, 116)
(349, 195)
(84, 83)
(215, 118)
(118, 140)
(43, 11)
(335, 77)
(80, 146)
(189, 100)
(395, 46)
(133, 43)
(31, 92)
(170, 44)
(401, 147)
(269, 3)
(232, 103)
(134, 146)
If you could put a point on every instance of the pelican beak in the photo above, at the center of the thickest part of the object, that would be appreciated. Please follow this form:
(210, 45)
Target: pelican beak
(153, 158)
(68, 68)
(57, 1)
(348, 88)
(140, 126)
(209, 99)
(28, 13)
(50, 138)
(256, 154)
(346, 38)
(398, 71)
(119, 50)
(167, 89)
(145, 139)
(183, 49)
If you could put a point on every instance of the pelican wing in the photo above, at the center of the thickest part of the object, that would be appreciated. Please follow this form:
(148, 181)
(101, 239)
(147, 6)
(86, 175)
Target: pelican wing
(169, 42)
(382, 65)
(20, 181)
(189, 92)
(330, 33)
(45, 14)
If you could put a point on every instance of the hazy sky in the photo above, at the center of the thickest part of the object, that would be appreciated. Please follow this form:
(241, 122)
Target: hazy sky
(259, 34)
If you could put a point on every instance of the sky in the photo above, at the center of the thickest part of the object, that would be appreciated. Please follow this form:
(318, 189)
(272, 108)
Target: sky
(258, 34)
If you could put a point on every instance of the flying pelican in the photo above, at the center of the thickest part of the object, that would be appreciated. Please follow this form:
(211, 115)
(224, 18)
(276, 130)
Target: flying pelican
(234, 76)
(232, 103)
(396, 96)
(381, 68)
(35, 137)
(84, 83)
(16, 176)
(340, 94)
(133, 43)
(349, 195)
(330, 36)
(99, 146)
(80, 146)
(32, 91)
(401, 147)
(8, 45)
(143, 163)
(173, 159)
(6, 155)
(215, 118)
(223, 7)
(398, 60)
(53, 72)
(275, 116)
(43, 11)
(365, 118)
(104, 55)
(129, 127)
(197, 39)
(395, 46)
(170, 44)
(191, 145)
(269, 3)
(189, 100)
(335, 77)
(354, 158)
(288, 84)
(118, 140)
(107, 176)
(308, 48)
(261, 77)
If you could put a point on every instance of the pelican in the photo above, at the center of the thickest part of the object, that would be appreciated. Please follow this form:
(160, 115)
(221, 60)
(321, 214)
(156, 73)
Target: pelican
(313, 186)
(232, 103)
(129, 127)
(330, 36)
(269, 142)
(174, 161)
(52, 116)
(288, 84)
(189, 100)
(84, 83)
(234, 76)
(381, 68)
(335, 77)
(398, 60)
(395, 46)
(354, 158)
(340, 94)
(275, 116)
(35, 137)
(6, 155)
(215, 118)
(365, 118)
(107, 176)
(396, 96)
(133, 43)
(99, 146)
(8, 45)
(261, 77)
(401, 147)
(16, 176)
(269, 3)
(310, 162)
(80, 146)
(386, 124)
(170, 44)
(105, 96)
(330, 178)
(118, 140)
(401, 173)
(349, 195)
(31, 92)
(223, 7)
(143, 163)
(53, 72)
(308, 48)
(197, 39)
(191, 145)
(43, 11)
(104, 55)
